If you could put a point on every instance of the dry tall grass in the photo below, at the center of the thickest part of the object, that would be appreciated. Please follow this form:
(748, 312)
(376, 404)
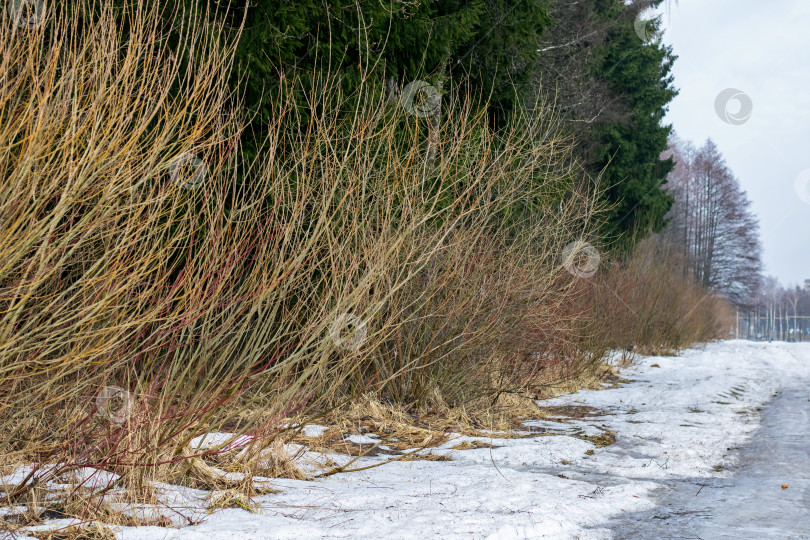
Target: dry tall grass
(155, 285)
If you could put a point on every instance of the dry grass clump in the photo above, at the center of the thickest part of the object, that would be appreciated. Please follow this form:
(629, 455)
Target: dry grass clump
(230, 498)
(87, 512)
(426, 457)
(472, 445)
(606, 438)
(237, 466)
(564, 413)
(394, 429)
(93, 531)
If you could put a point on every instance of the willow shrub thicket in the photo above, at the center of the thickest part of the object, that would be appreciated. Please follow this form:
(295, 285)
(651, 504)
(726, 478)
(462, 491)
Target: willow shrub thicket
(156, 284)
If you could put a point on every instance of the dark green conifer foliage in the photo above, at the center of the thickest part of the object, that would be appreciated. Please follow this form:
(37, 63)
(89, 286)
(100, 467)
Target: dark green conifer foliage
(611, 83)
(639, 75)
(489, 43)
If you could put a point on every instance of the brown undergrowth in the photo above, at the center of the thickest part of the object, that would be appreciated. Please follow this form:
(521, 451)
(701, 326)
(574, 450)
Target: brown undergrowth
(157, 284)
(650, 303)
(234, 478)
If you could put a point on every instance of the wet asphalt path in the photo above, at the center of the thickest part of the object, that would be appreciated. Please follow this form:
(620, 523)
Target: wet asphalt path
(751, 504)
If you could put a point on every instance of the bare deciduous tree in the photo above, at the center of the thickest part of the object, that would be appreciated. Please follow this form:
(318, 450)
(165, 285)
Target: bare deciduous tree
(712, 219)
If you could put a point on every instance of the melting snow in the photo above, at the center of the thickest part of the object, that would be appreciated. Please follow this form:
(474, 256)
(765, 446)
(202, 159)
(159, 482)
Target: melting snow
(673, 421)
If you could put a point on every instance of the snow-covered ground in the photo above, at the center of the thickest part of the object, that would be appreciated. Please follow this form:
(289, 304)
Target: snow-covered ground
(678, 417)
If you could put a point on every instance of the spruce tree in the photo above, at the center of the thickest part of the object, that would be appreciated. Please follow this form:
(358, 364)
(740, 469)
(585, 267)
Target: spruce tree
(629, 148)
(610, 79)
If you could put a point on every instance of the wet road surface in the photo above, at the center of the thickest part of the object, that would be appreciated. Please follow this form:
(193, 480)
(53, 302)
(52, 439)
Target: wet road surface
(751, 503)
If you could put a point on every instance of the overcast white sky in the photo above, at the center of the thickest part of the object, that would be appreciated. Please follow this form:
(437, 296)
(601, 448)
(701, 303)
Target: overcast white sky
(763, 49)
